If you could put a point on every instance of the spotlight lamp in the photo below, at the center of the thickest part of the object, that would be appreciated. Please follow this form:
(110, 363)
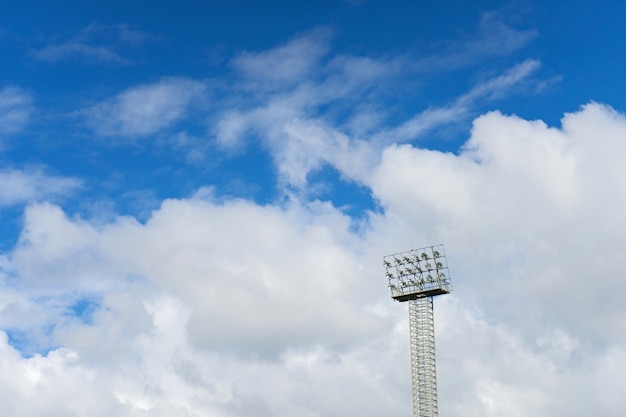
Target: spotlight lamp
(418, 273)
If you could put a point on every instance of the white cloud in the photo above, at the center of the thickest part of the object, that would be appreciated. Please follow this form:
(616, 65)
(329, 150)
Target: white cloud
(213, 267)
(307, 145)
(206, 299)
(532, 195)
(144, 110)
(15, 109)
(493, 38)
(75, 49)
(301, 143)
(532, 217)
(230, 129)
(96, 43)
(197, 305)
(296, 81)
(489, 89)
(297, 89)
(34, 184)
(230, 308)
(285, 64)
(57, 379)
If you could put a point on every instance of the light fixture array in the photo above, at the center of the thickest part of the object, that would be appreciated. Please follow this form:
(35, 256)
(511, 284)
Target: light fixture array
(418, 273)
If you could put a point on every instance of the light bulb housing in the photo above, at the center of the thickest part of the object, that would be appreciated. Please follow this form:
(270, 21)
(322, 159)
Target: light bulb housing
(418, 273)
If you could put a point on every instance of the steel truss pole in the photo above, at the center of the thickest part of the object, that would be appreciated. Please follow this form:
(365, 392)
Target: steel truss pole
(423, 369)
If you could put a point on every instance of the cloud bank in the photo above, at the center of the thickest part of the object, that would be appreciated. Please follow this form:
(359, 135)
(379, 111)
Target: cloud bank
(231, 308)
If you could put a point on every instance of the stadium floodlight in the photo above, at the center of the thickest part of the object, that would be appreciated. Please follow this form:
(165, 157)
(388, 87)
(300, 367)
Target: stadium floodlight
(427, 265)
(417, 276)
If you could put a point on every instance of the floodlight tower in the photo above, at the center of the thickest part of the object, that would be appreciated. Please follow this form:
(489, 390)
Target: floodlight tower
(417, 276)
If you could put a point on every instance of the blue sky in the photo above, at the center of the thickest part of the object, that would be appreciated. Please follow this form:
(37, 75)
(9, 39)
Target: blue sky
(196, 197)
(65, 59)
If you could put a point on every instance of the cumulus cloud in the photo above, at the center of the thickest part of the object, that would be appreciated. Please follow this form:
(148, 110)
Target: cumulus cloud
(265, 291)
(251, 266)
(16, 107)
(191, 309)
(144, 110)
(526, 207)
(531, 196)
(232, 308)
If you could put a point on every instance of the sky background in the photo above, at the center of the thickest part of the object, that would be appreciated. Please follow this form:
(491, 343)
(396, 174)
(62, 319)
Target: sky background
(196, 198)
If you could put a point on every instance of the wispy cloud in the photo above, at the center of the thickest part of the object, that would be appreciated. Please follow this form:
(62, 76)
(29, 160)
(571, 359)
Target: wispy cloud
(16, 107)
(143, 110)
(96, 44)
(296, 81)
(308, 144)
(493, 38)
(33, 184)
(79, 50)
(490, 89)
(287, 63)
(302, 136)
(300, 84)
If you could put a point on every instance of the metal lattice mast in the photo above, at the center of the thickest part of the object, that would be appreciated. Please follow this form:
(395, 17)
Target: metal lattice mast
(417, 276)
(423, 367)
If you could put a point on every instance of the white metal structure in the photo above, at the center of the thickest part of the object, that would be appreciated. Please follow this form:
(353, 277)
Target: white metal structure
(417, 276)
